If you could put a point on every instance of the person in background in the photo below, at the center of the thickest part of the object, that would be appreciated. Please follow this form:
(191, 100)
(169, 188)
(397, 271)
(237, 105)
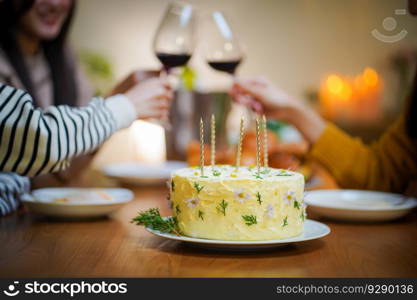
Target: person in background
(389, 165)
(35, 141)
(35, 56)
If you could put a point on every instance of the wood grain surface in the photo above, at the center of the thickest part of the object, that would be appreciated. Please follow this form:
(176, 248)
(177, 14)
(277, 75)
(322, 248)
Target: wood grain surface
(35, 246)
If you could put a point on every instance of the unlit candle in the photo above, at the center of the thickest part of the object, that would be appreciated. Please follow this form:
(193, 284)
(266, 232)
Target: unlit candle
(239, 146)
(201, 146)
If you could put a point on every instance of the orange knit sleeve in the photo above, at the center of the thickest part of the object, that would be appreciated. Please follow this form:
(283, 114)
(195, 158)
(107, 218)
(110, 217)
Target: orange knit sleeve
(387, 165)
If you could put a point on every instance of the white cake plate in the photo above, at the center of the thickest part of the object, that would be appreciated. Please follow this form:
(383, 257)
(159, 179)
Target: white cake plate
(312, 230)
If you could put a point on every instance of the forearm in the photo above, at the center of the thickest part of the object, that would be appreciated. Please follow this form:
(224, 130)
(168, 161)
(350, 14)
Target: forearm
(307, 121)
(34, 142)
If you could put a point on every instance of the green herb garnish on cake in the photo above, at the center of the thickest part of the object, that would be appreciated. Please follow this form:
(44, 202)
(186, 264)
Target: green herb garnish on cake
(285, 222)
(258, 198)
(216, 173)
(284, 173)
(257, 176)
(201, 215)
(198, 187)
(221, 208)
(266, 171)
(296, 204)
(250, 220)
(152, 219)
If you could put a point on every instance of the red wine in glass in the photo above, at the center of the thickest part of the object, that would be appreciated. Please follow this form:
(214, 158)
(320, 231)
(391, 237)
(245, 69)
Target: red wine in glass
(170, 61)
(222, 49)
(229, 66)
(174, 40)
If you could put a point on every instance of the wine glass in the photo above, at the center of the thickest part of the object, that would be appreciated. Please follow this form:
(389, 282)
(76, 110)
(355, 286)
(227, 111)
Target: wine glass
(223, 50)
(174, 39)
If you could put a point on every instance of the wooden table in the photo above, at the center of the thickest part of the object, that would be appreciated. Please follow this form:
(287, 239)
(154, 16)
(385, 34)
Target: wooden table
(32, 245)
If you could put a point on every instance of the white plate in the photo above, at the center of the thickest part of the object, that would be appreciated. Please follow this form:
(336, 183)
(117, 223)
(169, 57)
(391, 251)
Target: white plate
(84, 204)
(312, 230)
(356, 205)
(140, 173)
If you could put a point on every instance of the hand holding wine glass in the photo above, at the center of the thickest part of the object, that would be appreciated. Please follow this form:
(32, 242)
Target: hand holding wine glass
(261, 95)
(151, 98)
(224, 52)
(276, 103)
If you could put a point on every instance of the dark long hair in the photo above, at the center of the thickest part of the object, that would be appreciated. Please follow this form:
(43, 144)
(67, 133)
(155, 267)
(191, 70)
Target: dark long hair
(62, 69)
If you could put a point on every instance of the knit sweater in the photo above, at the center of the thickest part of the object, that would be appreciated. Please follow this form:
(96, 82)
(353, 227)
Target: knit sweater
(387, 165)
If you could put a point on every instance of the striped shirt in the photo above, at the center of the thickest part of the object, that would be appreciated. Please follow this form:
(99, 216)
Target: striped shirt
(12, 189)
(35, 141)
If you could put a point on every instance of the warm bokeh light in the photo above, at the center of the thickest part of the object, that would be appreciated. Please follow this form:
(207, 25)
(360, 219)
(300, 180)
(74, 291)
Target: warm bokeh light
(339, 87)
(334, 84)
(370, 77)
(346, 92)
(149, 141)
(351, 98)
(359, 84)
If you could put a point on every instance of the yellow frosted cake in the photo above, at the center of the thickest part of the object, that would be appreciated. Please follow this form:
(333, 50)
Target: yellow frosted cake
(226, 204)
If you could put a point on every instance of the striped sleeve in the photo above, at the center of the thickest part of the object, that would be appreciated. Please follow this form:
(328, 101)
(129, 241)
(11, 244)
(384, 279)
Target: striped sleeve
(35, 141)
(12, 188)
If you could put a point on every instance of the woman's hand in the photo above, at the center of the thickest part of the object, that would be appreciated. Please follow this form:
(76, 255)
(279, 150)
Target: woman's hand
(151, 98)
(263, 96)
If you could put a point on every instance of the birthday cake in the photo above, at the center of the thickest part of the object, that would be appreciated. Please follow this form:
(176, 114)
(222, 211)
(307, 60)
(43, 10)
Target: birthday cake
(225, 203)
